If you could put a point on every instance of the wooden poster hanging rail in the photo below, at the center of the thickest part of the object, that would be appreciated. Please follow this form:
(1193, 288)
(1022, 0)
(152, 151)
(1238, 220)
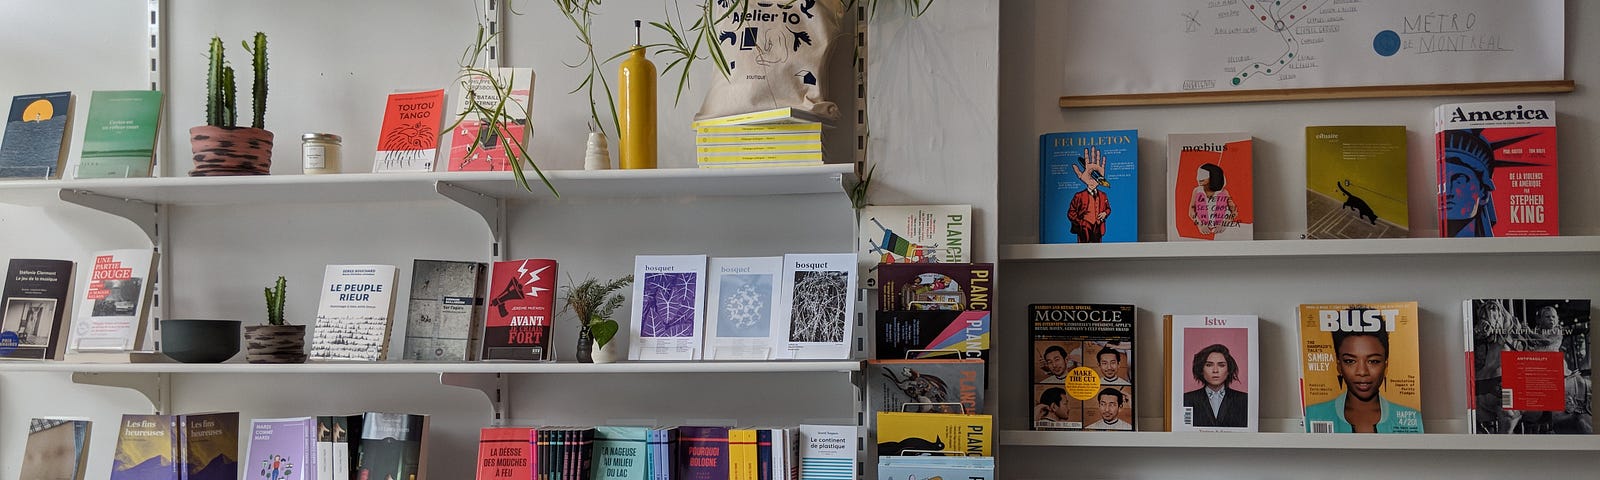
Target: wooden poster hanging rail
(1325, 93)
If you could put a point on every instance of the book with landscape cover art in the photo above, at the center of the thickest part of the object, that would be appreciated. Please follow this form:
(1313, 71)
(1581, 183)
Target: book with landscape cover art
(119, 138)
(35, 144)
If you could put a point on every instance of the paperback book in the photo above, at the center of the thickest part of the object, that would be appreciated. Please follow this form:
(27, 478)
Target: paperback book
(506, 453)
(703, 453)
(936, 434)
(1497, 169)
(935, 286)
(913, 234)
(209, 446)
(57, 449)
(119, 139)
(508, 93)
(355, 314)
(930, 468)
(408, 140)
(784, 115)
(442, 321)
(619, 453)
(35, 145)
(915, 334)
(827, 452)
(1360, 357)
(743, 307)
(1528, 365)
(1213, 373)
(393, 445)
(668, 313)
(147, 448)
(33, 307)
(114, 305)
(1212, 185)
(282, 449)
(1089, 187)
(521, 310)
(818, 293)
(1082, 367)
(929, 385)
(1356, 182)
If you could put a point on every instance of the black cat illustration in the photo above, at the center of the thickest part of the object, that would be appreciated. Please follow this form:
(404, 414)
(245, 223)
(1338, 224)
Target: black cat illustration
(1360, 206)
(912, 446)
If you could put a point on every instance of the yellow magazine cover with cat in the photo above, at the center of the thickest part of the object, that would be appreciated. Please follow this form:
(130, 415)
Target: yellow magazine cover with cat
(1359, 368)
(1356, 182)
(906, 433)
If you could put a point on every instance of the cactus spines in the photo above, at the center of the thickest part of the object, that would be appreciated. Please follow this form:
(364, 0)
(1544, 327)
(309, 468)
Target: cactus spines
(216, 102)
(275, 296)
(258, 89)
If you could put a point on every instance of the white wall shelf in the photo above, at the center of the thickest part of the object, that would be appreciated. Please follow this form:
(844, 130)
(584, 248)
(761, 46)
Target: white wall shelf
(383, 187)
(1301, 441)
(842, 366)
(1301, 248)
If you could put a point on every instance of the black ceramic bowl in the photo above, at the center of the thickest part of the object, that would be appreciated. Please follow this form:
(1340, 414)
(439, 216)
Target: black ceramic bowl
(200, 341)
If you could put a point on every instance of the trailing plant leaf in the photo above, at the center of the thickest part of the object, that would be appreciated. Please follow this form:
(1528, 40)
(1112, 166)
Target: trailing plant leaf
(581, 14)
(496, 116)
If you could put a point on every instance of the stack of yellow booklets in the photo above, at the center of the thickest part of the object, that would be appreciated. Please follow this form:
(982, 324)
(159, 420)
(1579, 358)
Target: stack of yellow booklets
(783, 137)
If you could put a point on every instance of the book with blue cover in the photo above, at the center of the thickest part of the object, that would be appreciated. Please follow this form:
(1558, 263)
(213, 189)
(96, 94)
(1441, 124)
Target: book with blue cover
(1088, 187)
(36, 136)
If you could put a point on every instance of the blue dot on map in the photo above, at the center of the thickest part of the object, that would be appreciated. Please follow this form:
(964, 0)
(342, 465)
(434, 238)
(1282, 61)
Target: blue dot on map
(1387, 43)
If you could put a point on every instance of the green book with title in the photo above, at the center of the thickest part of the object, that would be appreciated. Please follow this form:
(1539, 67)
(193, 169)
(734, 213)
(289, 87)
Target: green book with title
(119, 139)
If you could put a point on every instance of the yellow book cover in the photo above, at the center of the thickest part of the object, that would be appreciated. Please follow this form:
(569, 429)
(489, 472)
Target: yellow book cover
(760, 138)
(742, 149)
(741, 454)
(776, 115)
(758, 157)
(767, 129)
(1359, 368)
(762, 165)
(901, 433)
(1356, 182)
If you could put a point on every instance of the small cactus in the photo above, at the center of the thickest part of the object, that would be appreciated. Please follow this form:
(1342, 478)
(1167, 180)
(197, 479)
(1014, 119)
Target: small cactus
(258, 89)
(221, 104)
(275, 295)
(216, 103)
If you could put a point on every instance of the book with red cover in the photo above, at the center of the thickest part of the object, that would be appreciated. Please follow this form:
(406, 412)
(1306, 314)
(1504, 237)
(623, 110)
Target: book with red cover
(521, 310)
(506, 453)
(409, 138)
(1497, 169)
(704, 453)
(508, 93)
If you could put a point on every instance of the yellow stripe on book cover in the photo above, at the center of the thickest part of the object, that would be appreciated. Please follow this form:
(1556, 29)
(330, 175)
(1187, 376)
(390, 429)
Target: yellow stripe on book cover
(758, 148)
(758, 157)
(767, 129)
(778, 138)
(776, 115)
(762, 164)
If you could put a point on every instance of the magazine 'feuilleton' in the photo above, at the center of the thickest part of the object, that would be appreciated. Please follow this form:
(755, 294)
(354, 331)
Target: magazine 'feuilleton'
(1528, 365)
(1497, 169)
(521, 310)
(1089, 187)
(1212, 185)
(1360, 370)
(355, 313)
(1081, 373)
(1214, 379)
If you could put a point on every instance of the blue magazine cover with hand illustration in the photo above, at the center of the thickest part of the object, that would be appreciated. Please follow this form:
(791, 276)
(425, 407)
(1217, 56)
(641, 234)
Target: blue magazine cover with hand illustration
(1088, 187)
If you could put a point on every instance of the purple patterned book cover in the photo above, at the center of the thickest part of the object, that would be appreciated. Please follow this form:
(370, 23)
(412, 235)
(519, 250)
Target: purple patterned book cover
(667, 316)
(282, 449)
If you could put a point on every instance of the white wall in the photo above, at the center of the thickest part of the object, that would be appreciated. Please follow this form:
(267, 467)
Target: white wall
(1031, 72)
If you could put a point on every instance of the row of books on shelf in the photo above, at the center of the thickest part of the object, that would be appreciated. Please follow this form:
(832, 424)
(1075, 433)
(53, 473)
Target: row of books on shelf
(1528, 368)
(684, 307)
(123, 125)
(1496, 176)
(205, 446)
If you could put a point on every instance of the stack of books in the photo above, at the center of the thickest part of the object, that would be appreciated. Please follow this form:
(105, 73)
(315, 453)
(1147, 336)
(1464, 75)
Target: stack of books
(783, 137)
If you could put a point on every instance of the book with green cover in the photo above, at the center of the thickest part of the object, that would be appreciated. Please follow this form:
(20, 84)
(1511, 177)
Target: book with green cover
(1356, 182)
(119, 139)
(619, 453)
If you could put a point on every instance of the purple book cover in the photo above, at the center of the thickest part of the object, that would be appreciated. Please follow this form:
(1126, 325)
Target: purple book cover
(210, 446)
(667, 316)
(146, 448)
(705, 453)
(282, 449)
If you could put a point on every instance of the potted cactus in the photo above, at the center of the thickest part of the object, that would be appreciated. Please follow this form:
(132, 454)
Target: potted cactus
(277, 341)
(220, 146)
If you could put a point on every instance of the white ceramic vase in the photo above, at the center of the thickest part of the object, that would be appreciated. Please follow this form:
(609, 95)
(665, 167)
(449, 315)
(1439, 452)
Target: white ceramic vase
(606, 354)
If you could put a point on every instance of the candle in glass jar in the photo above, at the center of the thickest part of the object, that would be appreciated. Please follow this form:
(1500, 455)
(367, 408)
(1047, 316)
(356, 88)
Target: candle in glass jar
(319, 153)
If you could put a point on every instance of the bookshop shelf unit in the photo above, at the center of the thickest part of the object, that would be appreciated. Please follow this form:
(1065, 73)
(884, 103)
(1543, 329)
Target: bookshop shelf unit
(1300, 441)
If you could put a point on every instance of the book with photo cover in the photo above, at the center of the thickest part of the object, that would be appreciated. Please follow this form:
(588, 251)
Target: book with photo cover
(34, 308)
(1081, 370)
(114, 304)
(1213, 373)
(1529, 366)
(443, 320)
(742, 307)
(355, 314)
(1364, 354)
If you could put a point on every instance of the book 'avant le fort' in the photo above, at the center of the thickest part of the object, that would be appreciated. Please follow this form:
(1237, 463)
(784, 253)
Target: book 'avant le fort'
(1089, 187)
(517, 323)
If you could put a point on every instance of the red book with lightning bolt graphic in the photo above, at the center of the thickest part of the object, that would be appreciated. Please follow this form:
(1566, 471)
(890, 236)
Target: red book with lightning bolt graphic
(521, 310)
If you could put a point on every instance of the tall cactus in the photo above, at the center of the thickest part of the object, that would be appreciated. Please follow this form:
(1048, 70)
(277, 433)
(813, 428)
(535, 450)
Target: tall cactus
(218, 103)
(275, 296)
(258, 89)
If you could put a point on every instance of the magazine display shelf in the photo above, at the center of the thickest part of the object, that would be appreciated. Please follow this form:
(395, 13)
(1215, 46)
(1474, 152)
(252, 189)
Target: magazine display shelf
(1301, 248)
(1300, 441)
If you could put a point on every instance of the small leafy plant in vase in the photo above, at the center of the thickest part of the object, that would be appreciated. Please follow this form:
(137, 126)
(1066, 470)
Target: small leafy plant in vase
(277, 341)
(593, 302)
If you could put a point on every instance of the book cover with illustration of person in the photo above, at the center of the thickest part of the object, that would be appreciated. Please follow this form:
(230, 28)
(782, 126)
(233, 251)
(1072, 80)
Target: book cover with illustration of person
(1497, 169)
(1081, 370)
(1212, 185)
(1360, 368)
(1089, 187)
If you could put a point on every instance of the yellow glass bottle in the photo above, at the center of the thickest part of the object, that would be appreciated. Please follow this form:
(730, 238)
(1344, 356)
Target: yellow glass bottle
(636, 109)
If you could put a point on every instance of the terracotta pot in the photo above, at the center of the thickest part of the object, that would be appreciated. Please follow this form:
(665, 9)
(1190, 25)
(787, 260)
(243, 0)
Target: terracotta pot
(230, 151)
(275, 343)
